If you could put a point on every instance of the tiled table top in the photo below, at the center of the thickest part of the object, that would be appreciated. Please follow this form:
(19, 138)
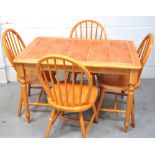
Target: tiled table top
(92, 52)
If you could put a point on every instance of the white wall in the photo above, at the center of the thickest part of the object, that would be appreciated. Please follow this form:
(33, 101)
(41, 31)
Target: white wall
(126, 28)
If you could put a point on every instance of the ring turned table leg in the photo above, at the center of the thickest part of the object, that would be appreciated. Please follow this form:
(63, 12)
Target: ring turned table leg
(20, 104)
(25, 99)
(23, 87)
(99, 101)
(132, 82)
(129, 107)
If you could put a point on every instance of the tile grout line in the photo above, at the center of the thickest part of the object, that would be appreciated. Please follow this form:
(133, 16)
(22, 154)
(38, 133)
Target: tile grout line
(70, 47)
(89, 50)
(52, 45)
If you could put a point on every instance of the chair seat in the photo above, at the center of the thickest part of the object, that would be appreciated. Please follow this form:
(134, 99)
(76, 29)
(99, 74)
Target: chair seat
(76, 107)
(117, 82)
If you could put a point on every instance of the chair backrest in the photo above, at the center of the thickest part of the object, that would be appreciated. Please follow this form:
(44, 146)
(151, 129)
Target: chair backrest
(144, 49)
(63, 92)
(88, 29)
(12, 44)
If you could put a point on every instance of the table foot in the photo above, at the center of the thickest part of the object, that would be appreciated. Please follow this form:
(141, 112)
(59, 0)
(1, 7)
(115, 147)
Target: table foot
(28, 119)
(126, 129)
(126, 126)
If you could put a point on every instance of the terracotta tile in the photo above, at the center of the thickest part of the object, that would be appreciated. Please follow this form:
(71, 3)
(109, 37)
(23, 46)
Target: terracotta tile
(61, 46)
(120, 55)
(81, 44)
(42, 45)
(80, 49)
(39, 48)
(123, 45)
(101, 55)
(120, 52)
(78, 57)
(100, 44)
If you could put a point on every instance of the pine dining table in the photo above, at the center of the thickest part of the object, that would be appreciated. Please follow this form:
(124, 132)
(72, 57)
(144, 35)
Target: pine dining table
(98, 56)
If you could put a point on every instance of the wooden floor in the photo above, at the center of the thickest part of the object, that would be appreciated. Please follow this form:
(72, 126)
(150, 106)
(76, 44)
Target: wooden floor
(110, 125)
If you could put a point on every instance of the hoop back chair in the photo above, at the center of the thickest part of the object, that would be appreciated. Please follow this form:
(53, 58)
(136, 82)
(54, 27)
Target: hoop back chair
(64, 96)
(13, 45)
(120, 82)
(88, 29)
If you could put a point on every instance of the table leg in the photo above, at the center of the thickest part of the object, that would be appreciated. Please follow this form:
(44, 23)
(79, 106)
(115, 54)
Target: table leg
(133, 114)
(132, 82)
(129, 107)
(23, 87)
(99, 101)
(20, 103)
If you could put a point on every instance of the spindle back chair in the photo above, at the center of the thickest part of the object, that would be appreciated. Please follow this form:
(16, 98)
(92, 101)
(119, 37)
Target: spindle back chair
(121, 82)
(13, 45)
(74, 96)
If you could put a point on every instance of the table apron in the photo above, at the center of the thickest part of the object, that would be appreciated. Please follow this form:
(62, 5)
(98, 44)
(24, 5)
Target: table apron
(30, 74)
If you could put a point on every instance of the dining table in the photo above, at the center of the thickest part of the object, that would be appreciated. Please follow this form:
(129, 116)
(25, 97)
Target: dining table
(98, 56)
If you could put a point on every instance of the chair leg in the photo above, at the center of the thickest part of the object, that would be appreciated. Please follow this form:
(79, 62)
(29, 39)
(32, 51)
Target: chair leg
(122, 92)
(50, 123)
(95, 112)
(69, 77)
(54, 78)
(100, 100)
(29, 90)
(83, 130)
(39, 95)
(115, 104)
(75, 76)
(133, 114)
(98, 76)
(93, 78)
(20, 104)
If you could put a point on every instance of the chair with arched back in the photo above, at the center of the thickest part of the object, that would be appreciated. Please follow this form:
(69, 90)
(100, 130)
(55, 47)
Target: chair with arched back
(13, 45)
(64, 96)
(120, 82)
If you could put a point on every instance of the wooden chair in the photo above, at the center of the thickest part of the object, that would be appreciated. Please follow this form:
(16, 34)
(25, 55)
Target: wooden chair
(63, 96)
(88, 29)
(120, 82)
(13, 45)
